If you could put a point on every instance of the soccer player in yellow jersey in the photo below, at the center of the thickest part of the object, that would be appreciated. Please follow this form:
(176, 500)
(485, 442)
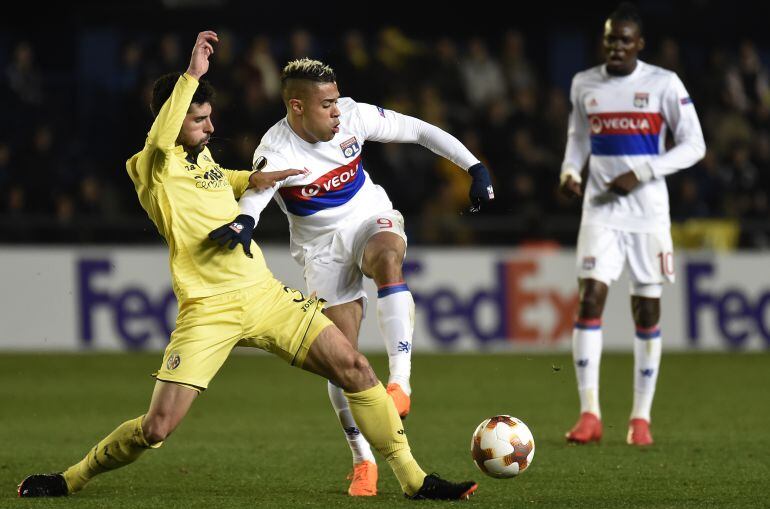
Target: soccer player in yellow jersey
(227, 301)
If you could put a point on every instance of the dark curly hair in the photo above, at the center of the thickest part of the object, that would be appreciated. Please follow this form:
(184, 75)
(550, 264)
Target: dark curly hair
(163, 86)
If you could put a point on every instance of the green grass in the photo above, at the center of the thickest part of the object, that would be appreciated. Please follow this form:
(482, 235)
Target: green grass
(264, 434)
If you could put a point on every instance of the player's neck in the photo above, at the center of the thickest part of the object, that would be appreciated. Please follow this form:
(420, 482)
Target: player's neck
(296, 125)
(192, 153)
(622, 72)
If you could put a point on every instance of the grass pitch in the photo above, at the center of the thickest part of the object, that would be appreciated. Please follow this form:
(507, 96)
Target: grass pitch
(264, 434)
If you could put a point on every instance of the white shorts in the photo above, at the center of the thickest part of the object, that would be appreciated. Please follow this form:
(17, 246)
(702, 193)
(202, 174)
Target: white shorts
(334, 272)
(602, 252)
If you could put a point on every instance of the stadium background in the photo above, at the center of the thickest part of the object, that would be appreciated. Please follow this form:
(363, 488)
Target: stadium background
(75, 93)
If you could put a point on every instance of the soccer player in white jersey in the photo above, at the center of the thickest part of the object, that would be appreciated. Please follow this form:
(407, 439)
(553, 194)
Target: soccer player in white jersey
(620, 113)
(343, 226)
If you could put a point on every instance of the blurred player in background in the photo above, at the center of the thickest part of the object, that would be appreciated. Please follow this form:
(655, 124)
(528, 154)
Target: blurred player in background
(620, 113)
(228, 300)
(343, 226)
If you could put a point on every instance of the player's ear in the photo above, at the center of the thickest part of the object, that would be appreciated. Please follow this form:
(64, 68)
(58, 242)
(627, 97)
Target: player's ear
(295, 105)
(641, 43)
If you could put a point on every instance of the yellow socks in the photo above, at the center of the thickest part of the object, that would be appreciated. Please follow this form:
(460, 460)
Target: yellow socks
(372, 409)
(121, 447)
(377, 418)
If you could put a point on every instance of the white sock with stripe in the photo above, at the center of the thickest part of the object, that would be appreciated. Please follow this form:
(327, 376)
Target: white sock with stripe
(395, 316)
(647, 352)
(358, 444)
(587, 354)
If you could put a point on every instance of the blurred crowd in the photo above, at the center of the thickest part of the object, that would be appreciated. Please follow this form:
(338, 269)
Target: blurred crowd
(67, 134)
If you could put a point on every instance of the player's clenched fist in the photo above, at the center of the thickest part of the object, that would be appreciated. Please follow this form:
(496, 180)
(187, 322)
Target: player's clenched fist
(239, 231)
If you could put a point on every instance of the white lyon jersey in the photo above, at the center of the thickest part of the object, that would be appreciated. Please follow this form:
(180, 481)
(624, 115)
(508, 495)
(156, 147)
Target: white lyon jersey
(621, 122)
(337, 190)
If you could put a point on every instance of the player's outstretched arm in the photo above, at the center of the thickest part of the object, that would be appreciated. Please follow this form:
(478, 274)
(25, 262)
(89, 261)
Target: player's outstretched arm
(388, 126)
(241, 229)
(260, 181)
(242, 181)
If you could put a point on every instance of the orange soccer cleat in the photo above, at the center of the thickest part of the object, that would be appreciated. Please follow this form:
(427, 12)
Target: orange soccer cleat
(639, 432)
(363, 480)
(587, 429)
(400, 398)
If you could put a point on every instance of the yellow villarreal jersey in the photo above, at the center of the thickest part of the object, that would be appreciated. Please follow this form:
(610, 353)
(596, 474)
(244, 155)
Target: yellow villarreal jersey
(187, 200)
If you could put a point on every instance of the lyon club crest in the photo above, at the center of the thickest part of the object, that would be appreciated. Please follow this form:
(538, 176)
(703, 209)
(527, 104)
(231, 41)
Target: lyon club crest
(350, 147)
(589, 262)
(641, 99)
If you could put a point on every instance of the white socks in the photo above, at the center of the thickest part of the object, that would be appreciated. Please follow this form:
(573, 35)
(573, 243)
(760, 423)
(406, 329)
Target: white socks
(395, 315)
(647, 350)
(358, 444)
(587, 354)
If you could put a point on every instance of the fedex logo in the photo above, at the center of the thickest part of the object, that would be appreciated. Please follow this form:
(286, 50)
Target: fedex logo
(625, 123)
(736, 314)
(135, 315)
(497, 312)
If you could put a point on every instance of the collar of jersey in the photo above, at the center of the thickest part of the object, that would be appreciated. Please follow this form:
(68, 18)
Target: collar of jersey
(634, 73)
(179, 150)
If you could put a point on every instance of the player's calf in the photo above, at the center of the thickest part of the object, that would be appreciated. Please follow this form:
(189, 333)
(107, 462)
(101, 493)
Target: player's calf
(332, 356)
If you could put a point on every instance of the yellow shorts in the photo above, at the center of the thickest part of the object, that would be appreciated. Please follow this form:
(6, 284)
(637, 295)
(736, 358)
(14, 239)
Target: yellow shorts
(269, 315)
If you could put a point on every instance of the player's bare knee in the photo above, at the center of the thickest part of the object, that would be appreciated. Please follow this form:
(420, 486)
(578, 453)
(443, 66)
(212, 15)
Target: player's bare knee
(386, 266)
(591, 306)
(646, 311)
(156, 428)
(593, 294)
(342, 365)
(154, 433)
(356, 374)
(361, 365)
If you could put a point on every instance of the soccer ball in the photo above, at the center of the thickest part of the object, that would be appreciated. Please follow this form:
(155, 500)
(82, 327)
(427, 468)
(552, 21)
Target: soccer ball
(502, 446)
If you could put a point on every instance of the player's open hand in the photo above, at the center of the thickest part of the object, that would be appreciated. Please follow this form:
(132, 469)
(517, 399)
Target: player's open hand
(571, 188)
(265, 180)
(239, 231)
(203, 49)
(624, 184)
